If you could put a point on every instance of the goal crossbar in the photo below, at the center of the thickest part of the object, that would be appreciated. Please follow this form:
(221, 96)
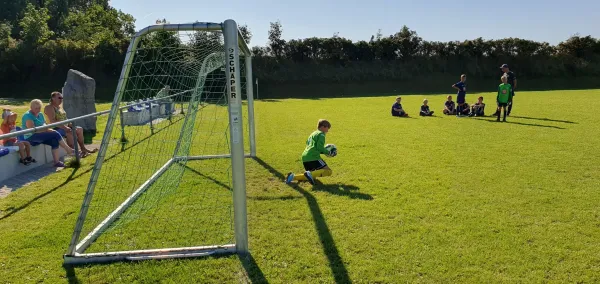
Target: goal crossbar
(233, 40)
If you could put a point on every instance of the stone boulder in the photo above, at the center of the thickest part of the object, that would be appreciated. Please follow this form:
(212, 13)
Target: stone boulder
(79, 99)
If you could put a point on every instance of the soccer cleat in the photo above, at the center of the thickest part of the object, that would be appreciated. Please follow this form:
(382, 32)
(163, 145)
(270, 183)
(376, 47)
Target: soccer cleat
(309, 177)
(289, 178)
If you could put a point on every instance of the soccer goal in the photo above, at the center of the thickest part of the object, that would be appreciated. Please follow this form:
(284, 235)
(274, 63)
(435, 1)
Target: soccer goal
(169, 179)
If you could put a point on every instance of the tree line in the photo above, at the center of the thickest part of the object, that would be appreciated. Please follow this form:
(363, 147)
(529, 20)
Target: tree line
(41, 39)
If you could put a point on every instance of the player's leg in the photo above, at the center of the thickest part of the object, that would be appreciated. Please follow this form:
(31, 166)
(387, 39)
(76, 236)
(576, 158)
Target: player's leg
(510, 103)
(324, 172)
(498, 112)
(22, 152)
(308, 167)
(317, 169)
(505, 114)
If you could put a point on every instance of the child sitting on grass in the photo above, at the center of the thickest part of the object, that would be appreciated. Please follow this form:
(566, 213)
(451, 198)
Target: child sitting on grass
(449, 106)
(464, 110)
(8, 125)
(478, 108)
(314, 166)
(425, 109)
(397, 108)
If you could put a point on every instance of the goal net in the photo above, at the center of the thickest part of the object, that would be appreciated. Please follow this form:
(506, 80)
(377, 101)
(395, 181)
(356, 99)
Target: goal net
(169, 179)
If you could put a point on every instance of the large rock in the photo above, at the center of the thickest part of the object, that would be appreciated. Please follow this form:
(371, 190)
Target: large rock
(79, 99)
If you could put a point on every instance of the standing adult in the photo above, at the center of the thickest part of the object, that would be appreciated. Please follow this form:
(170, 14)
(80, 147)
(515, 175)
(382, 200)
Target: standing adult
(512, 80)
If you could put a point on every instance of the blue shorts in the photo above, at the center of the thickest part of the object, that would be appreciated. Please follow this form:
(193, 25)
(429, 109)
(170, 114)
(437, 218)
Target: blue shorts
(460, 99)
(61, 131)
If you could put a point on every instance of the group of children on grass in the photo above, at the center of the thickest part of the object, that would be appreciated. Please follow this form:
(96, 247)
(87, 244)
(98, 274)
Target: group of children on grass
(461, 107)
(315, 166)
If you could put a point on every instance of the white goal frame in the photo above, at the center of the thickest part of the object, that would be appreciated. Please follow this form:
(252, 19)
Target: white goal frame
(234, 44)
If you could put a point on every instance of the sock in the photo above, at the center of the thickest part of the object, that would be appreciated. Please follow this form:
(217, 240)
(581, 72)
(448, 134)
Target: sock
(300, 177)
(321, 173)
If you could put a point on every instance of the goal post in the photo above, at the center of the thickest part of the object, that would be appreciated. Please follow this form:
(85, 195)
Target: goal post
(170, 178)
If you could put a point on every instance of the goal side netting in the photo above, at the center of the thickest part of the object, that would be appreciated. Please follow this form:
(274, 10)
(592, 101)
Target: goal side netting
(169, 179)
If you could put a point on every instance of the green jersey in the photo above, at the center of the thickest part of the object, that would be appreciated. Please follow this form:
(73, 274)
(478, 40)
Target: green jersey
(504, 93)
(315, 146)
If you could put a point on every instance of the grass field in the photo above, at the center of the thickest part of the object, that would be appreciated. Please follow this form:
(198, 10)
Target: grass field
(435, 199)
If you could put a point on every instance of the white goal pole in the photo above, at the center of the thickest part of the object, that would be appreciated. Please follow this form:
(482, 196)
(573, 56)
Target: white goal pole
(236, 129)
(250, 95)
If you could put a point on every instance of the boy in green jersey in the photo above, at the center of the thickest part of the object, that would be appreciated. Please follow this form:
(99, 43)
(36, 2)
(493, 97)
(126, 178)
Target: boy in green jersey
(504, 96)
(311, 157)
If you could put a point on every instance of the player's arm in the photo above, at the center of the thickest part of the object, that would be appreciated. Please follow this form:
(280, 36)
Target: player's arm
(498, 95)
(321, 144)
(515, 86)
(454, 86)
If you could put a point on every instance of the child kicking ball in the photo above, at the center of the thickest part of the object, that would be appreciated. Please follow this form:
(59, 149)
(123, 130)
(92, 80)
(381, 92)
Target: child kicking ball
(314, 166)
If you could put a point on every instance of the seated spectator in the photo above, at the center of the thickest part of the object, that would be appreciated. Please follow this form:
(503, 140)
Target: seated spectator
(397, 108)
(8, 125)
(465, 109)
(478, 108)
(449, 106)
(55, 113)
(425, 109)
(34, 118)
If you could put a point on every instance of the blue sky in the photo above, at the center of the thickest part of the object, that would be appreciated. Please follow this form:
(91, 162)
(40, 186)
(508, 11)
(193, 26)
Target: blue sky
(436, 20)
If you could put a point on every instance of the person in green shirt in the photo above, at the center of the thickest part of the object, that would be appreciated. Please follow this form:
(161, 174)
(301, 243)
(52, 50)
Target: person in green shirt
(314, 166)
(503, 97)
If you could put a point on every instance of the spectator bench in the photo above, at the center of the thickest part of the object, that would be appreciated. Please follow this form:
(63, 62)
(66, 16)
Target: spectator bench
(10, 166)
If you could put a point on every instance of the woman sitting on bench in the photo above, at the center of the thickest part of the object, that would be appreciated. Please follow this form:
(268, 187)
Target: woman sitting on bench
(55, 113)
(34, 118)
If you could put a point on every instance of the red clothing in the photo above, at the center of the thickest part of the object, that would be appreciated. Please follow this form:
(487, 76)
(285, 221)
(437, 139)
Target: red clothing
(5, 129)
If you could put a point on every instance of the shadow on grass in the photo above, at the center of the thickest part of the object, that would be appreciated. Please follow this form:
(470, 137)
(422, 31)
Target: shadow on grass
(545, 119)
(340, 273)
(252, 269)
(342, 190)
(219, 183)
(69, 179)
(70, 274)
(526, 124)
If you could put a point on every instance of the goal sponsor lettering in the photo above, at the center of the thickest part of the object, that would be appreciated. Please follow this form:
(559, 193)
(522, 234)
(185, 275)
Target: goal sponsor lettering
(232, 73)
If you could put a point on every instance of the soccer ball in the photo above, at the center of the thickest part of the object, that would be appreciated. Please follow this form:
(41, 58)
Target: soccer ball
(332, 150)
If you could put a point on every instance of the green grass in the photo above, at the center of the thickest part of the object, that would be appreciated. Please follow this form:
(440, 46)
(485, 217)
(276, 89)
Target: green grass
(436, 199)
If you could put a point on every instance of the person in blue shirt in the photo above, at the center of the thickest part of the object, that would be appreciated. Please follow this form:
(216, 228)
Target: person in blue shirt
(461, 86)
(425, 109)
(397, 109)
(34, 118)
(449, 106)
